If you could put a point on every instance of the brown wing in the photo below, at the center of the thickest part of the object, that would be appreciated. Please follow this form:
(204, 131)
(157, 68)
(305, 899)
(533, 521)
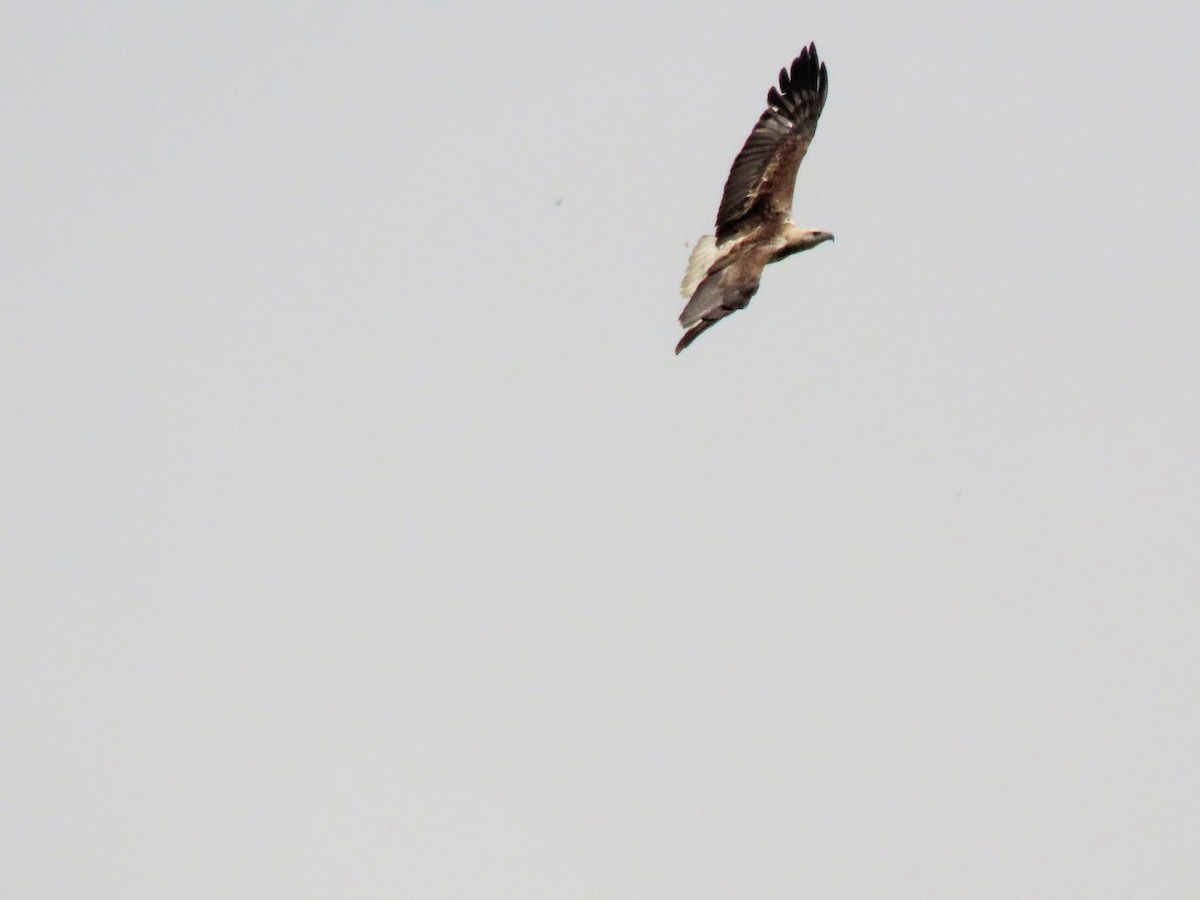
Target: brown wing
(763, 177)
(726, 288)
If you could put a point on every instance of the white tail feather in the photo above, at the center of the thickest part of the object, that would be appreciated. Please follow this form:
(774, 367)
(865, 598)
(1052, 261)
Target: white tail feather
(704, 254)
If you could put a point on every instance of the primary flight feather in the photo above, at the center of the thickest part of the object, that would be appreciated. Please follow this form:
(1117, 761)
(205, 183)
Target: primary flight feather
(754, 225)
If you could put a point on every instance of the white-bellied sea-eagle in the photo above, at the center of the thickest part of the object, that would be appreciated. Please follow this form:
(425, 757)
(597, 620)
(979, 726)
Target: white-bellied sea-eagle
(754, 225)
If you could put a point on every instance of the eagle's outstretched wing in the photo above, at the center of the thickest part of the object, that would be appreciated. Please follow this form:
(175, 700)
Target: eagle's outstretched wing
(763, 177)
(727, 288)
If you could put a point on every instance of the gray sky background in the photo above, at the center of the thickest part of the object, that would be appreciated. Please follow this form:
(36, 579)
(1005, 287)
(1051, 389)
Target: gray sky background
(362, 537)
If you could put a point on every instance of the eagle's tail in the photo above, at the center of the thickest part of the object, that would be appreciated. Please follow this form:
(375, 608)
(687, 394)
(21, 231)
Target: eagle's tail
(704, 254)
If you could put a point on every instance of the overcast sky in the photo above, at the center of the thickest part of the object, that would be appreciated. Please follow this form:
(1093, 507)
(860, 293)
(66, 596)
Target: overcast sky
(361, 536)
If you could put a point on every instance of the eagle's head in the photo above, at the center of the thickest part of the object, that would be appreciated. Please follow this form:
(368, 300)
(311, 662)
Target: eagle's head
(807, 238)
(797, 239)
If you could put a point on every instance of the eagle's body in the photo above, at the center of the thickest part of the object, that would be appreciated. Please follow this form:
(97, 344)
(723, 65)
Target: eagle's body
(754, 225)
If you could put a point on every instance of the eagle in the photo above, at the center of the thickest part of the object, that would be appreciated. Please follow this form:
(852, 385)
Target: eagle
(754, 224)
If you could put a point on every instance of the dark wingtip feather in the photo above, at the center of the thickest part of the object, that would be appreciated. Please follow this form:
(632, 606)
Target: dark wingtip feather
(694, 332)
(804, 69)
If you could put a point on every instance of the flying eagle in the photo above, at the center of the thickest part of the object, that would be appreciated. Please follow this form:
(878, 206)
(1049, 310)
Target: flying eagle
(754, 225)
